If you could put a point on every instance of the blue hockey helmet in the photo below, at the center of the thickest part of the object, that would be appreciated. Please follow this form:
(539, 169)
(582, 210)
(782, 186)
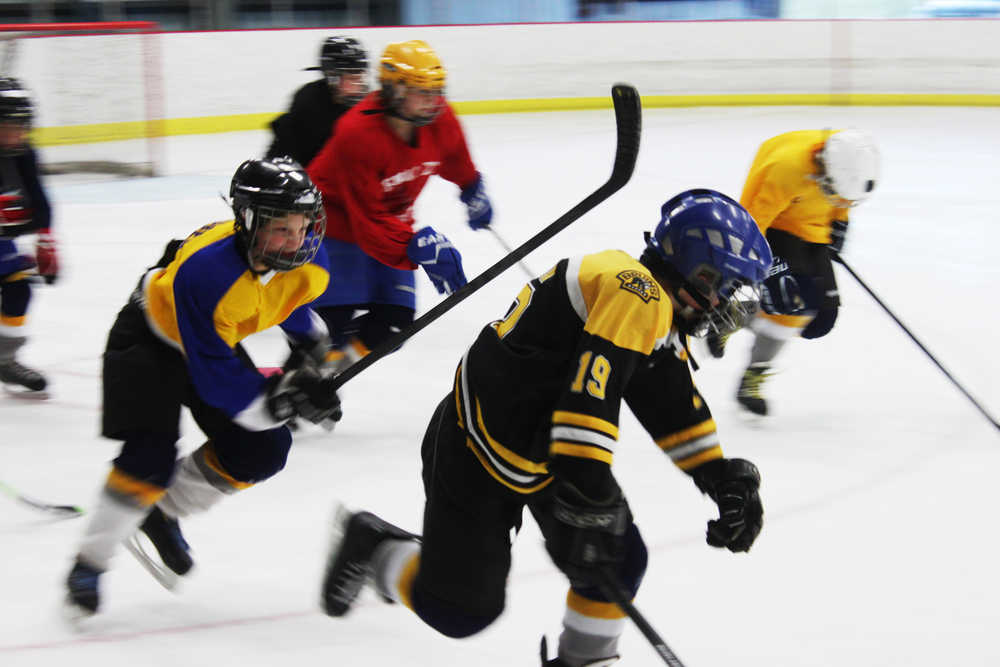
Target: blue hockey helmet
(709, 245)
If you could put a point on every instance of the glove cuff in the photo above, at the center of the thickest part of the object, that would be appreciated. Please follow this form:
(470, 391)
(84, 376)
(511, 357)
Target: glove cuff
(469, 191)
(708, 475)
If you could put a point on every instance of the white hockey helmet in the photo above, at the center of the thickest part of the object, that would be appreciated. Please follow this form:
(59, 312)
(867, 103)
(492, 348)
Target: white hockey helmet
(850, 163)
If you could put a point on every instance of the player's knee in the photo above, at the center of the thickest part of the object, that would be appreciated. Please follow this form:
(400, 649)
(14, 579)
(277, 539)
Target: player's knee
(253, 456)
(148, 456)
(382, 321)
(822, 324)
(631, 570)
(15, 297)
(451, 619)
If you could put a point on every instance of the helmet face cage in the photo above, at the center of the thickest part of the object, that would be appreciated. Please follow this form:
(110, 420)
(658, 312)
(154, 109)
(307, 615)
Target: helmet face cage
(257, 219)
(719, 258)
(265, 191)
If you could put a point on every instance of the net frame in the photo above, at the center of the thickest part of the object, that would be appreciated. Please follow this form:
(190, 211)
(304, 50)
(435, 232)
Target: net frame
(148, 130)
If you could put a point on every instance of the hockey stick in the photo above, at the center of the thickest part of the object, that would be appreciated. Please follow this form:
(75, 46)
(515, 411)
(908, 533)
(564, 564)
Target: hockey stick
(628, 119)
(837, 258)
(66, 511)
(613, 589)
(506, 246)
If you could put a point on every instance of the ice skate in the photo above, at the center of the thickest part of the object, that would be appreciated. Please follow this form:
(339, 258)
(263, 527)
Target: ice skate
(749, 394)
(349, 563)
(556, 662)
(165, 535)
(82, 597)
(716, 343)
(22, 381)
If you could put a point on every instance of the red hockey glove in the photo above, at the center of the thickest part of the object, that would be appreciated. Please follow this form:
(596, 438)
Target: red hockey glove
(46, 256)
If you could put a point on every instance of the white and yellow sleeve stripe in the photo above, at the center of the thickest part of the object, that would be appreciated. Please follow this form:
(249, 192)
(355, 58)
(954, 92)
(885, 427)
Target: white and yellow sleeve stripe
(583, 436)
(692, 446)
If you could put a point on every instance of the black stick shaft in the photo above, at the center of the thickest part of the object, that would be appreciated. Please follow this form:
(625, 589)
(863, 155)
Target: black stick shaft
(613, 589)
(507, 248)
(838, 258)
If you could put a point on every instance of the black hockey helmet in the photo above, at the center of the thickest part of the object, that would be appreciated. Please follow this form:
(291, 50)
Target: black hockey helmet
(15, 102)
(268, 189)
(340, 56)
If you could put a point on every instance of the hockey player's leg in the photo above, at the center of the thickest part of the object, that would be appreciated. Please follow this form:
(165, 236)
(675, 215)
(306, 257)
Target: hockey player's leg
(592, 624)
(364, 550)
(123, 503)
(234, 461)
(770, 335)
(15, 294)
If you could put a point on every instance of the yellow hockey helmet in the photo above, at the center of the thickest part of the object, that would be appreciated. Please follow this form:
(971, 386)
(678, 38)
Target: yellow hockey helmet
(412, 63)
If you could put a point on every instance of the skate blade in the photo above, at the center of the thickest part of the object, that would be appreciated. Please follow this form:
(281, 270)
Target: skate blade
(751, 419)
(74, 615)
(163, 574)
(17, 391)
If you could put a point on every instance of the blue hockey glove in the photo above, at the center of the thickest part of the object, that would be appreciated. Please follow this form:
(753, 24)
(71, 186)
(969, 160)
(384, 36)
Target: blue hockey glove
(480, 209)
(440, 259)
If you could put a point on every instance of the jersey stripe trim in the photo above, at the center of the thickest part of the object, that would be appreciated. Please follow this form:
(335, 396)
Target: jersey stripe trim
(509, 456)
(686, 435)
(573, 290)
(495, 475)
(698, 459)
(583, 436)
(581, 451)
(526, 476)
(561, 417)
(696, 446)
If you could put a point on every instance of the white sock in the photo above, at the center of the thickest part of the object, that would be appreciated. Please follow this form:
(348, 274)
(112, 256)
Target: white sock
(112, 521)
(388, 562)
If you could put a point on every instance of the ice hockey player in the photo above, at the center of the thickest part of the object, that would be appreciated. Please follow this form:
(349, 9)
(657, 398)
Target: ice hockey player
(24, 209)
(370, 173)
(532, 421)
(176, 342)
(799, 189)
(300, 132)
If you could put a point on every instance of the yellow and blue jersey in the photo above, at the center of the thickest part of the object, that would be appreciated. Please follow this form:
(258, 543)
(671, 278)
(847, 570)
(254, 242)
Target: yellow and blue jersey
(548, 379)
(781, 190)
(206, 300)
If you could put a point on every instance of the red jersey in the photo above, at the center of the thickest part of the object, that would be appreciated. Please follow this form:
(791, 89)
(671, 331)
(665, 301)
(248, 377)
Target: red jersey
(370, 178)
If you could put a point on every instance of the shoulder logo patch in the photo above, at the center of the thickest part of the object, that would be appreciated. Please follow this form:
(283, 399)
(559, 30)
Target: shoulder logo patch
(639, 284)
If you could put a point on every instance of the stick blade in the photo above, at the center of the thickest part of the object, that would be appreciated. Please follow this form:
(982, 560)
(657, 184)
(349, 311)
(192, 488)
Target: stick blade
(628, 118)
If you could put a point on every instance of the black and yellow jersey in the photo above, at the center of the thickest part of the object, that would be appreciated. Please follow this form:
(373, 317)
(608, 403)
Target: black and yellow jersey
(781, 190)
(206, 300)
(548, 379)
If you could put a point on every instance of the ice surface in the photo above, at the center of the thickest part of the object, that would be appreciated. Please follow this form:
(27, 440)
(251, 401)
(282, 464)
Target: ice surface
(879, 477)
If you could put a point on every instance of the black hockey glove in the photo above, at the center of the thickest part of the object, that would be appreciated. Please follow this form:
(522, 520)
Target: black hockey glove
(303, 392)
(733, 485)
(587, 535)
(838, 233)
(822, 324)
(308, 352)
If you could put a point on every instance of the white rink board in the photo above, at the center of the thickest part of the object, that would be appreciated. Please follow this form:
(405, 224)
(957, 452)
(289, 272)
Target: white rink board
(239, 72)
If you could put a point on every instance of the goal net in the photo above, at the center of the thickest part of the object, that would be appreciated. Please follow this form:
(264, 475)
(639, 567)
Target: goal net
(97, 90)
